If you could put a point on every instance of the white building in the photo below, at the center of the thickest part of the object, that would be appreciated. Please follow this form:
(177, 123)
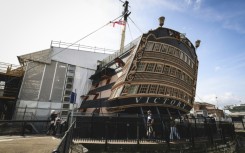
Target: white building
(50, 77)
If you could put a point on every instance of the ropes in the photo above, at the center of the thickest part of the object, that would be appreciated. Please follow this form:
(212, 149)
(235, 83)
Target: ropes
(130, 31)
(79, 40)
(70, 45)
(136, 25)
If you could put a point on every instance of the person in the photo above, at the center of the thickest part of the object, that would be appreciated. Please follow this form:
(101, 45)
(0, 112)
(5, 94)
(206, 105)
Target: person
(173, 130)
(186, 124)
(52, 125)
(150, 121)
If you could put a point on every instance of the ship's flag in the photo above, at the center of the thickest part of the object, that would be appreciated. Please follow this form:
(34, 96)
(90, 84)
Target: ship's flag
(73, 97)
(120, 22)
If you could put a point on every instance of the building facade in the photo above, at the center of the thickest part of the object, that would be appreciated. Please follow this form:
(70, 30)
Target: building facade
(50, 77)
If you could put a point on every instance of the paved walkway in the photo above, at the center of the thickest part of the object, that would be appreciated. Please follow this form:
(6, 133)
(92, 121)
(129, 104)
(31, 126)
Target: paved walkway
(28, 144)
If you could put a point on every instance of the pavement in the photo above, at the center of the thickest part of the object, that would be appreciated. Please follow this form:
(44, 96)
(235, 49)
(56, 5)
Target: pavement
(28, 144)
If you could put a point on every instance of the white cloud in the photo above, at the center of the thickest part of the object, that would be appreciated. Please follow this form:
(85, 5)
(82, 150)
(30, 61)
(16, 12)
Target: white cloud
(232, 20)
(176, 5)
(197, 4)
(217, 68)
(221, 100)
(233, 25)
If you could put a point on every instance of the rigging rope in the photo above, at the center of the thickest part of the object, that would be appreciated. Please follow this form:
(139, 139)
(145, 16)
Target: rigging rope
(135, 25)
(68, 46)
(130, 31)
(81, 39)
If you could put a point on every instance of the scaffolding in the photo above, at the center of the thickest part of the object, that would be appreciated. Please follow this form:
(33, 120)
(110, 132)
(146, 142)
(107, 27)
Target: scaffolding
(10, 81)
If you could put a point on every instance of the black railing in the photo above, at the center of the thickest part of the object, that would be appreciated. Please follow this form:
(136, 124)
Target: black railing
(66, 141)
(120, 127)
(23, 127)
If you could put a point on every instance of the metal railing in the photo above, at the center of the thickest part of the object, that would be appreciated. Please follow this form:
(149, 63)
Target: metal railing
(132, 127)
(121, 128)
(118, 53)
(23, 127)
(81, 47)
(66, 141)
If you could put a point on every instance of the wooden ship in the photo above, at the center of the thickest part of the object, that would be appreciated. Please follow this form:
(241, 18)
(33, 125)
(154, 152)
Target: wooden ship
(157, 71)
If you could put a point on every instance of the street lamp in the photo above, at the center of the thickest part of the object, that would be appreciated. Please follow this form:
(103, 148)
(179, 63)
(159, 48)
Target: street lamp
(197, 43)
(161, 21)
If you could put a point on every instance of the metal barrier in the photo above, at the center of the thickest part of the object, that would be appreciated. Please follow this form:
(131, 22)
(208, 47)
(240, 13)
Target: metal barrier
(119, 127)
(23, 127)
(66, 141)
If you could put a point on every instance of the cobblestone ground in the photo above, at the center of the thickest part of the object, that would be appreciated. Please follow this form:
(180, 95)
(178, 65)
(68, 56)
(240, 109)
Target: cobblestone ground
(28, 144)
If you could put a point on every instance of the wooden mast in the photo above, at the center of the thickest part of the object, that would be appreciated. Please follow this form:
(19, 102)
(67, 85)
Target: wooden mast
(126, 13)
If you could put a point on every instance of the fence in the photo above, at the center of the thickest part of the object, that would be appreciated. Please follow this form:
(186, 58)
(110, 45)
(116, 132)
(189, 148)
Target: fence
(133, 128)
(66, 141)
(23, 127)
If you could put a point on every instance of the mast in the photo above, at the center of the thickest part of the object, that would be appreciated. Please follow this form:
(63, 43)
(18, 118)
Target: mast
(126, 13)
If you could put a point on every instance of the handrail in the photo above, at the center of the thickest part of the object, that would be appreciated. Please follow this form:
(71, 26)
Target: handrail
(65, 142)
(61, 44)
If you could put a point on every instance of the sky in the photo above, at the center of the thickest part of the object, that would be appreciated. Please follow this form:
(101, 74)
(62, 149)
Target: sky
(30, 25)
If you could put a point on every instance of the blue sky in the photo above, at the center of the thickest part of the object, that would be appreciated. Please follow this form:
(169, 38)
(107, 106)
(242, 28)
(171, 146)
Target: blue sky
(28, 26)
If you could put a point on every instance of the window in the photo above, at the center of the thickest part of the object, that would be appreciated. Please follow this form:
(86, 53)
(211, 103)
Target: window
(68, 92)
(161, 90)
(71, 70)
(150, 67)
(69, 80)
(68, 86)
(170, 50)
(66, 99)
(173, 71)
(64, 113)
(72, 67)
(191, 81)
(186, 58)
(177, 53)
(153, 88)
(149, 46)
(157, 47)
(178, 74)
(159, 68)
(185, 97)
(175, 93)
(108, 80)
(143, 88)
(174, 50)
(168, 91)
(192, 64)
(189, 61)
(186, 78)
(133, 89)
(183, 76)
(141, 66)
(181, 56)
(66, 105)
(164, 48)
(166, 69)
